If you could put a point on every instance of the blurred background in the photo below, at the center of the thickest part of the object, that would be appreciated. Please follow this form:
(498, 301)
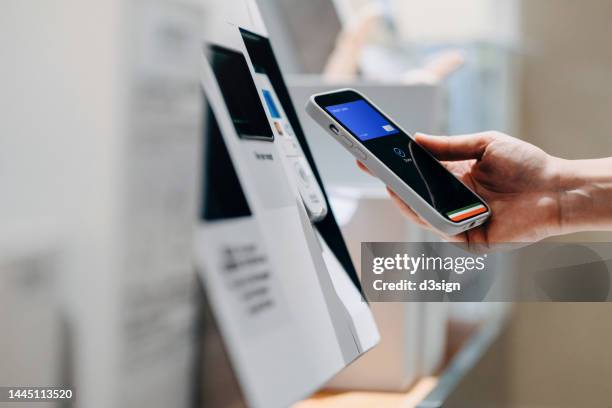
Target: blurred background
(76, 190)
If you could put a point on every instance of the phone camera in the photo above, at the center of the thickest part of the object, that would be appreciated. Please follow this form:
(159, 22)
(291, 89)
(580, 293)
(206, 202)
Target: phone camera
(334, 129)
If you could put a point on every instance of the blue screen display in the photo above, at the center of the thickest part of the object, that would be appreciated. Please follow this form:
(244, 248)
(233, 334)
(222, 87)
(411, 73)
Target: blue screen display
(361, 119)
(271, 105)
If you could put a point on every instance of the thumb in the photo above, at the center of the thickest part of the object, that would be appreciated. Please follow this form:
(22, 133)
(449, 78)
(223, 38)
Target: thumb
(462, 147)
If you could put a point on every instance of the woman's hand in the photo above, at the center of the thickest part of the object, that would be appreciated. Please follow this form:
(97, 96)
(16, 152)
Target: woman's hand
(520, 182)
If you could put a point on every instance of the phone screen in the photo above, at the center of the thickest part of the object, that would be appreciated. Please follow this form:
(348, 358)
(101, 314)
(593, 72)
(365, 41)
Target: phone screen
(402, 155)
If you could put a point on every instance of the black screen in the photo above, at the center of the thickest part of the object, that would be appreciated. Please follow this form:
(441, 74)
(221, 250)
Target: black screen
(222, 194)
(240, 94)
(407, 159)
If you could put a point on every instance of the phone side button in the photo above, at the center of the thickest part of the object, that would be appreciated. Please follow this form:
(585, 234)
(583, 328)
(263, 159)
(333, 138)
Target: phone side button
(346, 141)
(360, 154)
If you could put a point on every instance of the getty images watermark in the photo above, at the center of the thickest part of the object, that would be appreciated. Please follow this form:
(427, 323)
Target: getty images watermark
(412, 265)
(436, 271)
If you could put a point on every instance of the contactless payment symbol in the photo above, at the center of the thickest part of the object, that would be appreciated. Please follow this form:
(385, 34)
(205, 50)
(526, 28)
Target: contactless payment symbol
(399, 152)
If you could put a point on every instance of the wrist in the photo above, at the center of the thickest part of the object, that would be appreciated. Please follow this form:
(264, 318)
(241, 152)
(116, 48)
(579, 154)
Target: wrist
(583, 191)
(568, 202)
(552, 197)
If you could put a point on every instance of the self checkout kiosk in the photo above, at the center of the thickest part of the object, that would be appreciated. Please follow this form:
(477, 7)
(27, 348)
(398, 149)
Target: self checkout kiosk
(282, 290)
(97, 285)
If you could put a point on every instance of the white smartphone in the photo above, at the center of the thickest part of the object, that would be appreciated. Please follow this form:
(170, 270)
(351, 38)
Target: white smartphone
(392, 155)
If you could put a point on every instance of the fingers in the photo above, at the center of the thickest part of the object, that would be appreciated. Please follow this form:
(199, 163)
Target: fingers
(404, 208)
(364, 168)
(414, 217)
(462, 147)
(411, 214)
(407, 211)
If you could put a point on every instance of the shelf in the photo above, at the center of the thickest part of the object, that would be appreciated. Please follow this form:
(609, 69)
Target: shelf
(428, 392)
(363, 399)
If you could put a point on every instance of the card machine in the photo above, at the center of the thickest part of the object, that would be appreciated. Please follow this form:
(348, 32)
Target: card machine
(307, 184)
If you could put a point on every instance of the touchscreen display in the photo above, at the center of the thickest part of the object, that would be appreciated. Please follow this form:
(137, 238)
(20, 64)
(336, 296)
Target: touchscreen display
(222, 194)
(413, 164)
(364, 122)
(240, 94)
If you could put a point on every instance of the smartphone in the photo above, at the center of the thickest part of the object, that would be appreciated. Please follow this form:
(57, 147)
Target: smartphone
(391, 154)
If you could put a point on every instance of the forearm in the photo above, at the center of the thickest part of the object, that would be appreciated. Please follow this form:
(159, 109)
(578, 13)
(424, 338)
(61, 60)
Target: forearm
(585, 195)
